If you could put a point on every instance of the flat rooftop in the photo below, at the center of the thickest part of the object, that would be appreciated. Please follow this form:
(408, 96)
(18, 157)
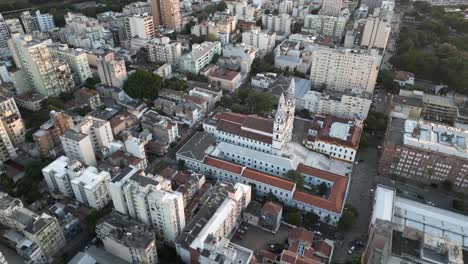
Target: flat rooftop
(197, 146)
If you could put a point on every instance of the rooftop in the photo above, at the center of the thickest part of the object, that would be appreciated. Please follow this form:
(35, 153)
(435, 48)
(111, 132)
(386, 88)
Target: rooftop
(124, 230)
(73, 135)
(196, 147)
(339, 131)
(224, 74)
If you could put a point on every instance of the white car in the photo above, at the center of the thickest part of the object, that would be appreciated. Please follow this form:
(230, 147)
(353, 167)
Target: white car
(351, 250)
(318, 233)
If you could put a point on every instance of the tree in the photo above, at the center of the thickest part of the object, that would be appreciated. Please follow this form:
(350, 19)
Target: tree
(293, 218)
(221, 6)
(270, 197)
(322, 189)
(181, 165)
(311, 217)
(364, 141)
(447, 185)
(297, 177)
(143, 85)
(91, 82)
(348, 218)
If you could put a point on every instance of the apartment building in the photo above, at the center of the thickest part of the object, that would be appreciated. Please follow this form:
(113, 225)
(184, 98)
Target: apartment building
(38, 71)
(8, 205)
(167, 213)
(127, 239)
(29, 22)
(11, 120)
(44, 230)
(78, 146)
(285, 7)
(337, 137)
(99, 131)
(164, 50)
(340, 104)
(260, 39)
(4, 33)
(331, 7)
(136, 145)
(425, 153)
(76, 59)
(342, 69)
(375, 33)
(85, 32)
(221, 212)
(48, 136)
(280, 24)
(167, 14)
(137, 8)
(238, 55)
(325, 25)
(139, 26)
(14, 26)
(111, 71)
(150, 200)
(90, 187)
(200, 56)
(210, 96)
(162, 128)
(59, 173)
(45, 22)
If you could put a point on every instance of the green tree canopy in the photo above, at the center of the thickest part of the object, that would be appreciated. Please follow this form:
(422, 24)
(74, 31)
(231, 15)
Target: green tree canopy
(221, 6)
(297, 177)
(143, 85)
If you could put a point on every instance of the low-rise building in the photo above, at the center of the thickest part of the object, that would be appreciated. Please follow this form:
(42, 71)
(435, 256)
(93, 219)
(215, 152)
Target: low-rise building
(30, 101)
(340, 104)
(239, 56)
(337, 137)
(263, 40)
(127, 239)
(225, 79)
(209, 95)
(404, 78)
(89, 97)
(162, 128)
(267, 216)
(200, 56)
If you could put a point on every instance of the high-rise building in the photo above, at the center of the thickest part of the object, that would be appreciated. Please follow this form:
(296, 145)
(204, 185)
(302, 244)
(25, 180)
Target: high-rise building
(91, 187)
(164, 50)
(331, 7)
(139, 26)
(76, 59)
(375, 34)
(29, 22)
(281, 24)
(4, 33)
(201, 55)
(261, 39)
(111, 71)
(12, 120)
(14, 26)
(59, 173)
(332, 26)
(166, 13)
(167, 213)
(39, 71)
(45, 22)
(85, 32)
(99, 130)
(343, 69)
(78, 146)
(48, 136)
(150, 200)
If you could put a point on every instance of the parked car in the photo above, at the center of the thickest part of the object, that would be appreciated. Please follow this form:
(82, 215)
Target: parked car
(351, 250)
(318, 233)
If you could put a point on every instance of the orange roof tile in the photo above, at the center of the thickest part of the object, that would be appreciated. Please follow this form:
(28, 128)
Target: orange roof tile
(224, 165)
(268, 179)
(301, 234)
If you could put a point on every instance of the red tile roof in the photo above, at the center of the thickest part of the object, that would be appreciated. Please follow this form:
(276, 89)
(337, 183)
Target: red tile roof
(224, 74)
(272, 208)
(323, 248)
(238, 124)
(196, 100)
(269, 179)
(403, 75)
(300, 234)
(224, 165)
(323, 124)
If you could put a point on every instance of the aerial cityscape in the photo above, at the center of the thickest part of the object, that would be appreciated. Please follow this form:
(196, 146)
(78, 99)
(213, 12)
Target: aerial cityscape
(234, 131)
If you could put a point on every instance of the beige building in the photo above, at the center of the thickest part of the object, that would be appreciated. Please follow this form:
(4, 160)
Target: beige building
(48, 136)
(164, 50)
(376, 33)
(260, 39)
(343, 69)
(111, 71)
(12, 120)
(331, 7)
(166, 13)
(38, 70)
(76, 59)
(139, 26)
(225, 79)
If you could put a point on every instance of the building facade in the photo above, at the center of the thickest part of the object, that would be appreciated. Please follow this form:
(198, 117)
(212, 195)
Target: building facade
(281, 24)
(166, 13)
(164, 50)
(90, 188)
(263, 40)
(78, 146)
(76, 59)
(111, 71)
(200, 56)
